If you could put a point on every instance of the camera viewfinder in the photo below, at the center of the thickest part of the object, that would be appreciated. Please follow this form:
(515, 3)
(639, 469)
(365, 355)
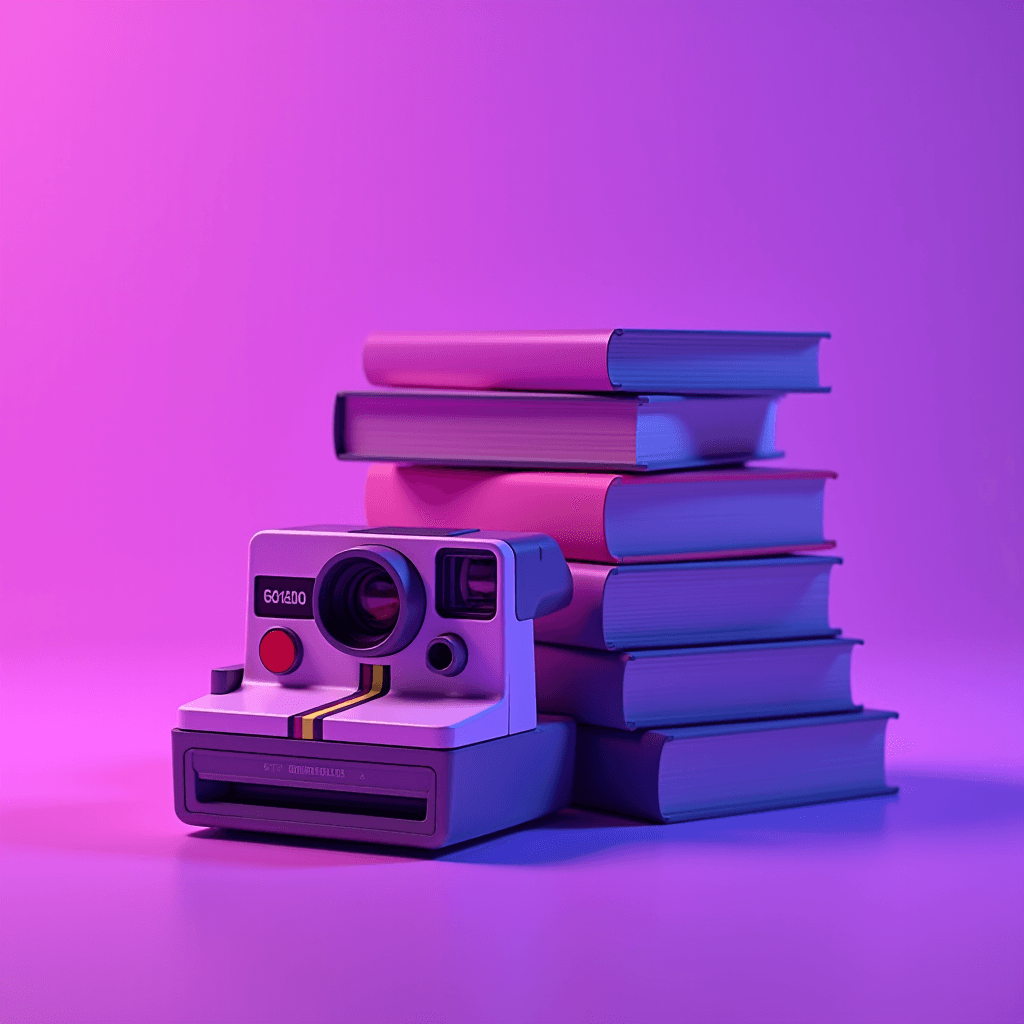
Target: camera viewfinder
(467, 584)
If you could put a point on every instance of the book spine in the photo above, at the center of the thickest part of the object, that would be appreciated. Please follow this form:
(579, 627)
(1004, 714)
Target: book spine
(339, 426)
(566, 506)
(587, 685)
(619, 772)
(513, 360)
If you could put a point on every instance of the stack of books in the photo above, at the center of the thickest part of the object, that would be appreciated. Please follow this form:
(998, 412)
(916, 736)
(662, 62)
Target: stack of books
(697, 654)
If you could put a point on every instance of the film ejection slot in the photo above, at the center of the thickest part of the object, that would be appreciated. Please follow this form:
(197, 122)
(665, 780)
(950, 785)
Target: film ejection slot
(279, 788)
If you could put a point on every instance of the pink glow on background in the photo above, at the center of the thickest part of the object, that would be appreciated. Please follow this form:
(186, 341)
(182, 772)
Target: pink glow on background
(205, 209)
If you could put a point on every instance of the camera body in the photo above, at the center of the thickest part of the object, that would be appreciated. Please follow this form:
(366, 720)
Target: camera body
(387, 693)
(390, 635)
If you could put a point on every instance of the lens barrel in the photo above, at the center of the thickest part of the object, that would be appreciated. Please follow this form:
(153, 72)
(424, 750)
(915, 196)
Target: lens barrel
(369, 600)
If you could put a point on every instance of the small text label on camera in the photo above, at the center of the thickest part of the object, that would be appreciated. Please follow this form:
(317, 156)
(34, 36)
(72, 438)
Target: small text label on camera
(284, 597)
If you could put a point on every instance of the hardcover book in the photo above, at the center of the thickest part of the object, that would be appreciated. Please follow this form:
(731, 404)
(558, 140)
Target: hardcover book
(612, 518)
(615, 432)
(705, 771)
(686, 685)
(677, 604)
(666, 362)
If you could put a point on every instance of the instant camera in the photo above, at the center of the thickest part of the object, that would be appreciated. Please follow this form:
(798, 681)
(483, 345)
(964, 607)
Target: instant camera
(388, 690)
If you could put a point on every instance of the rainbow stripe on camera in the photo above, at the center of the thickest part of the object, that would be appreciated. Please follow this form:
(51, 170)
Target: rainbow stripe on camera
(374, 682)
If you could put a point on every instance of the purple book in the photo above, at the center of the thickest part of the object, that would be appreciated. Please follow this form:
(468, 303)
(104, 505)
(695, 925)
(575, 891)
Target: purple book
(690, 685)
(678, 604)
(554, 431)
(706, 771)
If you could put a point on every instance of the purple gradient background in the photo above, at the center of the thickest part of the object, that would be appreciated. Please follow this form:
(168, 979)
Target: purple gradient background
(205, 208)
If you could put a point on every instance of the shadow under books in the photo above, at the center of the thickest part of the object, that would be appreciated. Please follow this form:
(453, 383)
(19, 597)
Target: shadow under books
(928, 804)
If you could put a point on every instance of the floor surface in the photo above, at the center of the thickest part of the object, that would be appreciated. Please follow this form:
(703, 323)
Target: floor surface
(905, 908)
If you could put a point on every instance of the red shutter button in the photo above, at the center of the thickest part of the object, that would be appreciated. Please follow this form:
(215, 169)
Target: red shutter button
(280, 651)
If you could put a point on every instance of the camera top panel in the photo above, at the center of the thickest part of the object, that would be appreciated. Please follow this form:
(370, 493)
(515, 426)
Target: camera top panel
(386, 531)
(466, 586)
(413, 531)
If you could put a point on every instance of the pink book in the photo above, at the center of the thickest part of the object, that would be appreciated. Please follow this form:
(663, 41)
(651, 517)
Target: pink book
(641, 361)
(615, 518)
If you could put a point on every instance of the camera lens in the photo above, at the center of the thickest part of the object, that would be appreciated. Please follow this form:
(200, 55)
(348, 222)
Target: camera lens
(359, 603)
(369, 599)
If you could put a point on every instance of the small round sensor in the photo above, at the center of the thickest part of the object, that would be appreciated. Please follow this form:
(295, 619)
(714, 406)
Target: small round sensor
(447, 654)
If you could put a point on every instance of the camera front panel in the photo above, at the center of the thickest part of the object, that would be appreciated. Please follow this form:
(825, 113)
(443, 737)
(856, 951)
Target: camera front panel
(433, 616)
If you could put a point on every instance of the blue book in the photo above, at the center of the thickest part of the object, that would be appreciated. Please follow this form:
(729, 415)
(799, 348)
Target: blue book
(676, 604)
(687, 685)
(706, 771)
